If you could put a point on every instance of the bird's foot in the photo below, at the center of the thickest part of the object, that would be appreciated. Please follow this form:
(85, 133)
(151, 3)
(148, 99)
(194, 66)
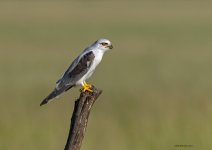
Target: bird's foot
(86, 87)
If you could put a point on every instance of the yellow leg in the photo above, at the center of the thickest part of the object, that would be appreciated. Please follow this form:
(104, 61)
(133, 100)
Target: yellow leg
(86, 87)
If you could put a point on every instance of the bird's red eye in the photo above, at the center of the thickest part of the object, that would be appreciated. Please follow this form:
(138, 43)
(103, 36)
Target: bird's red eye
(104, 44)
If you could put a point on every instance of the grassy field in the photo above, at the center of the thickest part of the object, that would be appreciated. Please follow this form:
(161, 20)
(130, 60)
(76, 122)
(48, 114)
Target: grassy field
(157, 80)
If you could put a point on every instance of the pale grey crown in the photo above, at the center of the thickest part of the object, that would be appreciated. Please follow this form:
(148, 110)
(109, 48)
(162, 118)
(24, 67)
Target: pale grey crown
(103, 44)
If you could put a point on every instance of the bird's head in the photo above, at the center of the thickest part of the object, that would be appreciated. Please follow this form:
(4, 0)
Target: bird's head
(103, 44)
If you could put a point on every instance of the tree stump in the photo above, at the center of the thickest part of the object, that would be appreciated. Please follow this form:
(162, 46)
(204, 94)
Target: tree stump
(79, 119)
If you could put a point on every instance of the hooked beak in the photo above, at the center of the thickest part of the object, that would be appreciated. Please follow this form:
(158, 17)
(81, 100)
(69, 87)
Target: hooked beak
(110, 47)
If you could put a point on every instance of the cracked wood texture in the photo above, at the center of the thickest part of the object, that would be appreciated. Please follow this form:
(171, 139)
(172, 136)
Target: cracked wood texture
(79, 118)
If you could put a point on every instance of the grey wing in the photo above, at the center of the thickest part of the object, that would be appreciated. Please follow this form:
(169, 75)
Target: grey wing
(77, 70)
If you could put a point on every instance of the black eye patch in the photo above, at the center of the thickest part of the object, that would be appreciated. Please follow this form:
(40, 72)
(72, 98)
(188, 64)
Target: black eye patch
(104, 44)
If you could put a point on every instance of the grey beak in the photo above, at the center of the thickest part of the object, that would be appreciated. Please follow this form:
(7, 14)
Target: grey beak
(111, 46)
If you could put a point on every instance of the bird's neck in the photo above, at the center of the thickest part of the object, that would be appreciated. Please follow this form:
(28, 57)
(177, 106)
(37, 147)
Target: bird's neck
(99, 54)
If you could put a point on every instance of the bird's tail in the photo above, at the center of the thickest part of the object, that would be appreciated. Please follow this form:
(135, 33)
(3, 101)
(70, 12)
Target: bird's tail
(54, 94)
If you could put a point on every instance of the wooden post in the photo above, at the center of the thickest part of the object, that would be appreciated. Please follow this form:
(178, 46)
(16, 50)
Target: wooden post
(79, 118)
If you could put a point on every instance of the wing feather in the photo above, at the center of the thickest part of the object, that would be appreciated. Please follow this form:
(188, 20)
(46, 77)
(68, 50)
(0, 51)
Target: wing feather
(77, 70)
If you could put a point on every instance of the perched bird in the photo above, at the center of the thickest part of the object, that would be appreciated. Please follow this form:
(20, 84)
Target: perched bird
(81, 69)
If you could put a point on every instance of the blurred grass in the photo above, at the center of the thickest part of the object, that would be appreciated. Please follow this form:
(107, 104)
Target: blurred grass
(157, 80)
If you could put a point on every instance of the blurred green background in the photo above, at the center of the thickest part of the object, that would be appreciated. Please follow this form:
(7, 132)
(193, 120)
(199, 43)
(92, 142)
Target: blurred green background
(157, 80)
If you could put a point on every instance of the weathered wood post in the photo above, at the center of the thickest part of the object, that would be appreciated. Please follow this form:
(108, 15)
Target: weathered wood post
(79, 118)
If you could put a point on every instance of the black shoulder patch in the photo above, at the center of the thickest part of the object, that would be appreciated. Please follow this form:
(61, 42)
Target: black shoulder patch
(83, 65)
